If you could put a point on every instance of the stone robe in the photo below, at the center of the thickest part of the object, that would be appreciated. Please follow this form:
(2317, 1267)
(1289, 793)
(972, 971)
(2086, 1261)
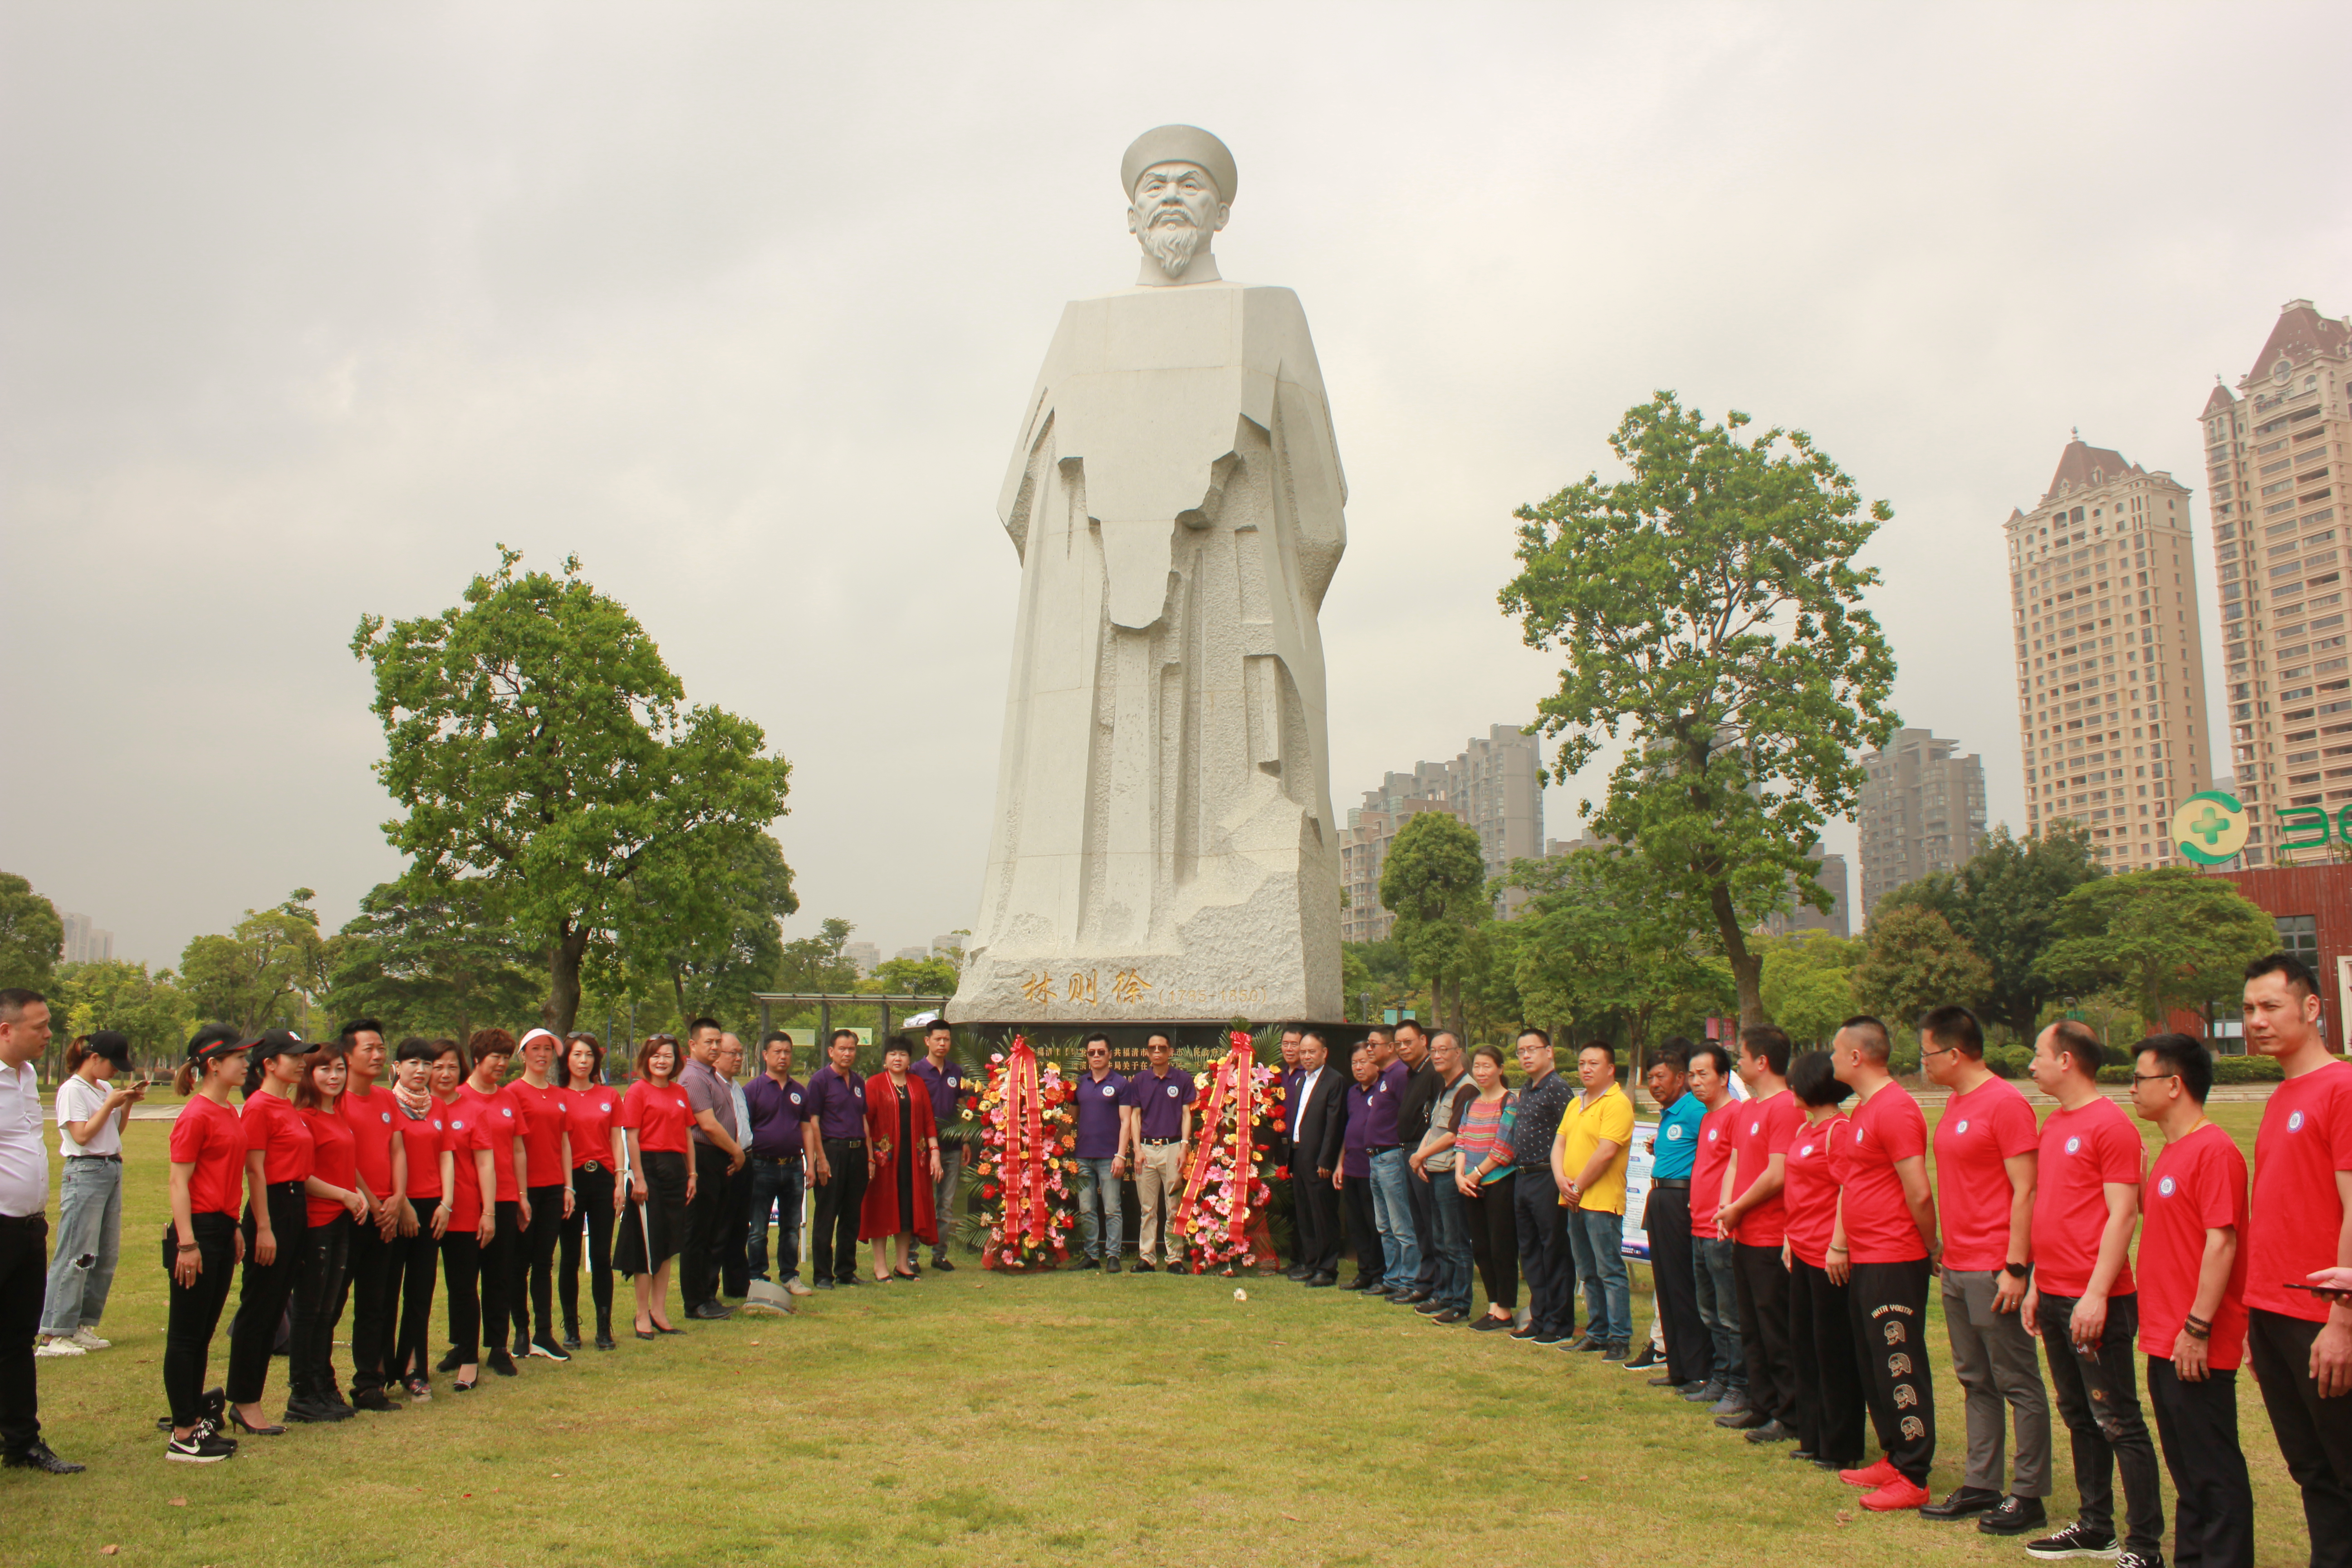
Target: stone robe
(1164, 846)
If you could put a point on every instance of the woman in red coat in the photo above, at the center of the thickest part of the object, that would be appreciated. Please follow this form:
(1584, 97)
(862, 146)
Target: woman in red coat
(901, 1142)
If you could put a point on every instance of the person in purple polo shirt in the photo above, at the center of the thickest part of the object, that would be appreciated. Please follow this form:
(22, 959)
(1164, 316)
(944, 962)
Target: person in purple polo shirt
(1162, 1099)
(783, 1137)
(1106, 1135)
(1354, 1176)
(837, 1095)
(1392, 1208)
(943, 1075)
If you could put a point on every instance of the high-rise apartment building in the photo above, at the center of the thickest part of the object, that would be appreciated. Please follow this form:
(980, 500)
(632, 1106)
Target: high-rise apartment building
(1922, 810)
(2272, 452)
(2110, 658)
(1829, 874)
(1495, 784)
(85, 944)
(1364, 850)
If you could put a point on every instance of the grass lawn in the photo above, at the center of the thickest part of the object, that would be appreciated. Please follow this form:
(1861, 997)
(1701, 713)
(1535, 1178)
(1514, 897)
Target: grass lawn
(977, 1418)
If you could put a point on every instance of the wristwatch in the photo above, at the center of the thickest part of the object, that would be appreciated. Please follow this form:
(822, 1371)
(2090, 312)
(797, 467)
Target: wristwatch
(2018, 1270)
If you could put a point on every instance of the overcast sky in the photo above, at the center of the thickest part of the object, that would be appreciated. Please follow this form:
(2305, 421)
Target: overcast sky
(306, 307)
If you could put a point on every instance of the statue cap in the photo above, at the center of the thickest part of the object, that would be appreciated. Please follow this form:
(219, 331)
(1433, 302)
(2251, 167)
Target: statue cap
(1178, 144)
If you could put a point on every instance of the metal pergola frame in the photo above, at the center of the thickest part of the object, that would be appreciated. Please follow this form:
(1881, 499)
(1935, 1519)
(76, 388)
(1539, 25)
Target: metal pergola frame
(822, 1001)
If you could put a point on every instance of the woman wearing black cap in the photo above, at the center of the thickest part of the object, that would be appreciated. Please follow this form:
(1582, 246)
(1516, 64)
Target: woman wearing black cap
(88, 1240)
(202, 1243)
(277, 1163)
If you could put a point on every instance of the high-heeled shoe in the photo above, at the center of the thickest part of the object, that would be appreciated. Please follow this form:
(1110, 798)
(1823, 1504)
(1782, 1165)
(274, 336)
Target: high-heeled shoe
(902, 1274)
(266, 1430)
(462, 1387)
(665, 1328)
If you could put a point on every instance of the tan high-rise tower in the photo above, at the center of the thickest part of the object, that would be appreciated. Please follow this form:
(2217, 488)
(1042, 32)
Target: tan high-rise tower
(2275, 453)
(2110, 667)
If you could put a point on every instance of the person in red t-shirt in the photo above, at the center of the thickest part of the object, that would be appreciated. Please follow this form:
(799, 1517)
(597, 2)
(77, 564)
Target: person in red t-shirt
(549, 1199)
(470, 1210)
(207, 1161)
(2193, 1293)
(277, 1162)
(653, 1127)
(590, 1106)
(424, 1212)
(1986, 1150)
(1821, 1326)
(503, 1120)
(1884, 1244)
(1756, 1220)
(2299, 1232)
(1724, 1362)
(2083, 1304)
(373, 1264)
(337, 1200)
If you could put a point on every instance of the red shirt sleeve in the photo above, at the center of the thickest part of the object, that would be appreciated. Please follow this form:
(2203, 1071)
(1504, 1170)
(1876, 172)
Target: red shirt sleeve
(1905, 1133)
(1780, 1126)
(2121, 1153)
(256, 1121)
(2217, 1203)
(632, 1112)
(187, 1139)
(2014, 1129)
(2339, 1127)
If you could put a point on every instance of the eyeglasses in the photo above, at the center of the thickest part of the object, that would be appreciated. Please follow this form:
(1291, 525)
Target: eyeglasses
(1939, 1051)
(2152, 1077)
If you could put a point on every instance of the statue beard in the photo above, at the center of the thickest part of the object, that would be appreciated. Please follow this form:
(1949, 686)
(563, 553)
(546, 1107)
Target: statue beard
(1172, 241)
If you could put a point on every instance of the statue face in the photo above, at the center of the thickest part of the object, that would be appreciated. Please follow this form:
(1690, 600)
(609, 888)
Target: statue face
(1176, 209)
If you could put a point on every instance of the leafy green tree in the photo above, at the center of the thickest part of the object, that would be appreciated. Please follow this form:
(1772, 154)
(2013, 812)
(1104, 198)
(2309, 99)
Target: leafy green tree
(536, 739)
(2168, 938)
(2002, 903)
(1808, 983)
(816, 963)
(1382, 970)
(116, 994)
(1711, 618)
(273, 966)
(435, 959)
(720, 963)
(32, 938)
(933, 976)
(1435, 880)
(1913, 960)
(1599, 950)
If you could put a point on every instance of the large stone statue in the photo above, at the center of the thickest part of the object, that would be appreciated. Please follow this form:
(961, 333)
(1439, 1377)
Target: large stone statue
(1163, 847)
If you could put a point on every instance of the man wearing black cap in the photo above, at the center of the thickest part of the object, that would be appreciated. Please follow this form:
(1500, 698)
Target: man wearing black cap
(24, 1231)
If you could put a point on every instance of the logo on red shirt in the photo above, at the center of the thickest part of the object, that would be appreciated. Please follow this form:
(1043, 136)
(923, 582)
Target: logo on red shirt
(1963, 1127)
(2165, 1186)
(2294, 1123)
(2073, 1144)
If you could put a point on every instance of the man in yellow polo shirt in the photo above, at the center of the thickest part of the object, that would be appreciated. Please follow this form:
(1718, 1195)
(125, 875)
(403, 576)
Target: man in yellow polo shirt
(1588, 1161)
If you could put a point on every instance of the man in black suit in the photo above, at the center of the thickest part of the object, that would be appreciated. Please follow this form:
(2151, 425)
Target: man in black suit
(1320, 1118)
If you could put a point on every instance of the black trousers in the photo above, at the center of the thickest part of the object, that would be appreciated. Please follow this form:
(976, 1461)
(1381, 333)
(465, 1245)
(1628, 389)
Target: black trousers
(318, 1302)
(1762, 1288)
(706, 1223)
(1363, 1230)
(2314, 1435)
(194, 1312)
(461, 1269)
(1543, 1253)
(418, 1260)
(735, 1235)
(2213, 1505)
(1314, 1213)
(1887, 1306)
(1495, 1239)
(833, 1250)
(1666, 1217)
(371, 1284)
(593, 1216)
(1418, 1198)
(1820, 1348)
(2099, 1399)
(265, 1290)
(24, 1284)
(533, 1288)
(501, 1311)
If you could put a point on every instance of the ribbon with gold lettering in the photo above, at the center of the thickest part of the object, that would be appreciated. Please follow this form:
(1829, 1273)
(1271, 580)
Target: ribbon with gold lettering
(1231, 1078)
(1022, 1175)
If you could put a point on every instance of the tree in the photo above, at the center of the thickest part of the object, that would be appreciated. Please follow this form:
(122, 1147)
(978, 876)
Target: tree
(1808, 983)
(2002, 903)
(1434, 882)
(1382, 970)
(2168, 938)
(1708, 609)
(537, 741)
(1599, 950)
(273, 957)
(817, 963)
(116, 994)
(32, 938)
(1913, 961)
(432, 958)
(933, 976)
(718, 963)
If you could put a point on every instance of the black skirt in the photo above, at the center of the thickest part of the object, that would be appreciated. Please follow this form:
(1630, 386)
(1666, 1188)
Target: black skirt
(653, 1231)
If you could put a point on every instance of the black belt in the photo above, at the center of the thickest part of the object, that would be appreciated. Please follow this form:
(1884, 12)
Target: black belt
(1670, 1181)
(849, 1142)
(779, 1159)
(1164, 1140)
(110, 1158)
(19, 1221)
(594, 1167)
(285, 1189)
(1383, 1148)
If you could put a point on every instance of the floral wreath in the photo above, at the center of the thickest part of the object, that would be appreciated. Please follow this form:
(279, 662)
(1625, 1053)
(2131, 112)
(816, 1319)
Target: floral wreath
(1230, 1180)
(1028, 1147)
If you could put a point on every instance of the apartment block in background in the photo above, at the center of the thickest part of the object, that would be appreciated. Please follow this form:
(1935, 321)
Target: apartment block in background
(2110, 657)
(1922, 810)
(1495, 784)
(1364, 850)
(1829, 875)
(2275, 453)
(85, 944)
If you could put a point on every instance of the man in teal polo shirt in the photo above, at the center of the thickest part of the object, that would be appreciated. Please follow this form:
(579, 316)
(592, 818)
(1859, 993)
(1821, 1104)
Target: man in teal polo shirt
(1666, 1217)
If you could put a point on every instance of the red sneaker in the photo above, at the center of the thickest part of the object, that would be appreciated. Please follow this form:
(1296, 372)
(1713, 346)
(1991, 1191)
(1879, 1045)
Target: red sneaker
(1894, 1496)
(1878, 1475)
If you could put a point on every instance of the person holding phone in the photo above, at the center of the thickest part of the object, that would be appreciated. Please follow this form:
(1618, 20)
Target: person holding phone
(90, 1113)
(278, 1158)
(201, 1246)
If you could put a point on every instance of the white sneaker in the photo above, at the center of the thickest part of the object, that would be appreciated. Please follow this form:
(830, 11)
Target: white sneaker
(51, 1345)
(795, 1288)
(89, 1342)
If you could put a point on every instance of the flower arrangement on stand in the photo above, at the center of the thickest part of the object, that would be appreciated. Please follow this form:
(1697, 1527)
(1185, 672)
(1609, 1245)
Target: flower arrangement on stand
(1229, 1184)
(1026, 1158)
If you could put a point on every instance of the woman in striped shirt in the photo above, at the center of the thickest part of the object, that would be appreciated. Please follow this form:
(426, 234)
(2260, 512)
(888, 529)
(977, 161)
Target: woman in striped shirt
(1486, 1178)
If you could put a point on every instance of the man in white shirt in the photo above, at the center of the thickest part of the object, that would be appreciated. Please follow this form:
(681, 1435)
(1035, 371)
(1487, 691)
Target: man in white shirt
(90, 1111)
(24, 1231)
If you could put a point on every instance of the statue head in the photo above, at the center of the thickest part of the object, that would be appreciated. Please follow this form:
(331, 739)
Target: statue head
(1180, 187)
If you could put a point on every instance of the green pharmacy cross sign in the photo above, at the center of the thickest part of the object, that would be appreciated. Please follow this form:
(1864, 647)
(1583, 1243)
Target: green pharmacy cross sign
(2211, 826)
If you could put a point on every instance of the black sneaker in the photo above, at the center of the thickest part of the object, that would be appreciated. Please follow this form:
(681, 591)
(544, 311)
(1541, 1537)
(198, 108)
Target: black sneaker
(1964, 1503)
(1550, 1337)
(1450, 1315)
(501, 1363)
(824, 1283)
(1615, 1354)
(1584, 1341)
(2014, 1515)
(521, 1347)
(1772, 1431)
(202, 1446)
(942, 1264)
(549, 1349)
(2075, 1541)
(1429, 1309)
(2138, 1560)
(1488, 1323)
(572, 1337)
(1646, 1360)
(1143, 1266)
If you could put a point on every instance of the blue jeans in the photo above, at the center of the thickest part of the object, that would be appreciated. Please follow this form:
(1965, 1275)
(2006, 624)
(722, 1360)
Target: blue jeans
(88, 1241)
(1393, 1217)
(1097, 1186)
(1719, 1307)
(1449, 1241)
(783, 1187)
(1596, 1239)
